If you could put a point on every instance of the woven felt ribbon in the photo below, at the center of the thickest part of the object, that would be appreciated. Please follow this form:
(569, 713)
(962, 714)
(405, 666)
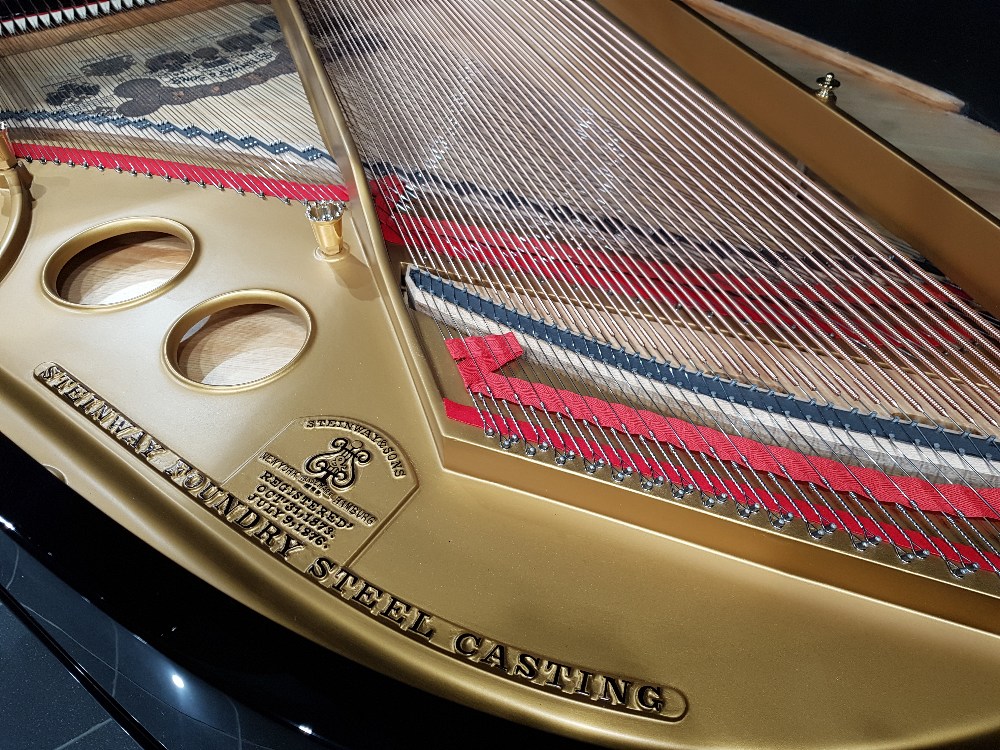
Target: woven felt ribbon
(479, 358)
(960, 554)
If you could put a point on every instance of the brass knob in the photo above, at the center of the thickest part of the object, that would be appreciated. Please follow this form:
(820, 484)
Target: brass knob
(827, 84)
(326, 219)
(7, 158)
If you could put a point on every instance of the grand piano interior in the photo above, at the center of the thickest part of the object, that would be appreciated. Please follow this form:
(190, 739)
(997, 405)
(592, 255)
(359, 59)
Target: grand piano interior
(535, 370)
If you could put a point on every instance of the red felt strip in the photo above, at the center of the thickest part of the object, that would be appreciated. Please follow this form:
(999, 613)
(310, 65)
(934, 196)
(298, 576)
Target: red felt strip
(478, 359)
(959, 554)
(176, 170)
(725, 294)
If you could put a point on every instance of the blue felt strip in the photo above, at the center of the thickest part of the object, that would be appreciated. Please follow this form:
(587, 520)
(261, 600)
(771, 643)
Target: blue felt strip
(712, 385)
(190, 132)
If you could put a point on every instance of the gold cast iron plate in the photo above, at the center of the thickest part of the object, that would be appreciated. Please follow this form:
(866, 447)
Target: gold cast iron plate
(760, 658)
(296, 512)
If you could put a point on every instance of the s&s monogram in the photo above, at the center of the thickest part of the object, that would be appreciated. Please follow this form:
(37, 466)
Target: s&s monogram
(339, 467)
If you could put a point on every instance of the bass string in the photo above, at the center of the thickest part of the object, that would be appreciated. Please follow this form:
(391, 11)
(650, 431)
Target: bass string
(743, 363)
(616, 88)
(359, 50)
(494, 26)
(719, 178)
(534, 414)
(696, 463)
(531, 418)
(833, 212)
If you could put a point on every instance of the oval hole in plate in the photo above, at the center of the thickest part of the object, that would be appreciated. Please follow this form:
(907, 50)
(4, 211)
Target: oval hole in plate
(240, 344)
(122, 268)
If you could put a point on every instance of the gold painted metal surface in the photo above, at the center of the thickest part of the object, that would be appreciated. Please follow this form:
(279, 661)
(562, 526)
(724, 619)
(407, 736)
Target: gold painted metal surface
(485, 564)
(523, 589)
(462, 450)
(172, 342)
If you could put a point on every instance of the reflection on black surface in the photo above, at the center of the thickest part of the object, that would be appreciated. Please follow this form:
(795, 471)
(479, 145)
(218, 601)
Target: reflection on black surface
(41, 705)
(180, 639)
(49, 709)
